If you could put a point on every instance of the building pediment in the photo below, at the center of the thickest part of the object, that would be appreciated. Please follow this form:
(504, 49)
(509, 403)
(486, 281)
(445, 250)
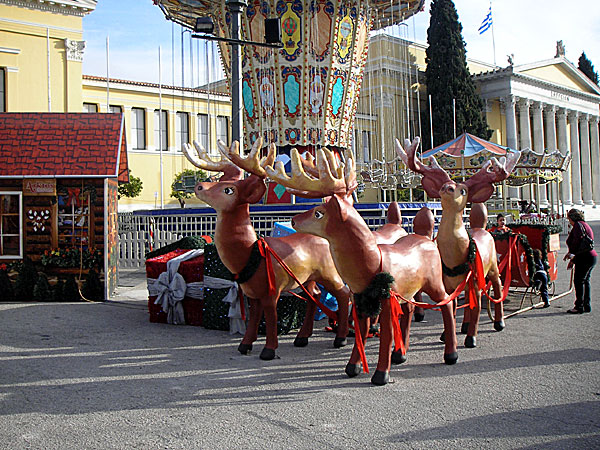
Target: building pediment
(68, 7)
(559, 71)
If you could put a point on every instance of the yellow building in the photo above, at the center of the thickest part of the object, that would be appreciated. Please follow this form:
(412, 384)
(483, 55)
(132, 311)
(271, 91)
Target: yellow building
(41, 51)
(187, 115)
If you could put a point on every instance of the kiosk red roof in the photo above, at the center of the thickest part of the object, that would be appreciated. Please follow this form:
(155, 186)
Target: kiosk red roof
(61, 145)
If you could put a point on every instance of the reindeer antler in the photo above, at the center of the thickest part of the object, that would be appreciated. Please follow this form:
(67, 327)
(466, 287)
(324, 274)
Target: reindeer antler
(250, 163)
(434, 177)
(332, 178)
(203, 161)
(481, 185)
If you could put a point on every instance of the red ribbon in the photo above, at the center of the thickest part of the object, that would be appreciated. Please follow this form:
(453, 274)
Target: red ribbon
(358, 339)
(265, 251)
(505, 265)
(73, 198)
(396, 313)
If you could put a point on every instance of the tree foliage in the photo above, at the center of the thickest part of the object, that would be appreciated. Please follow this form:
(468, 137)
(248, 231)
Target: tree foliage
(586, 66)
(131, 189)
(448, 78)
(181, 195)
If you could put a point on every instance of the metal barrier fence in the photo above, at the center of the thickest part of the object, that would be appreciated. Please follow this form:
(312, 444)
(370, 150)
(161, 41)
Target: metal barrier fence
(142, 232)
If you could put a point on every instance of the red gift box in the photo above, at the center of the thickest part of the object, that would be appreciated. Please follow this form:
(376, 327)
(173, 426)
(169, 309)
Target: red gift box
(192, 270)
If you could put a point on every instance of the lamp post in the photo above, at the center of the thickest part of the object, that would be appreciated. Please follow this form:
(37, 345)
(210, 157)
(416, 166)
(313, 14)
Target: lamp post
(236, 7)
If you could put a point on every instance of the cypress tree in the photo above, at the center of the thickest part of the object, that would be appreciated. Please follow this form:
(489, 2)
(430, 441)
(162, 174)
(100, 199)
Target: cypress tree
(448, 78)
(586, 66)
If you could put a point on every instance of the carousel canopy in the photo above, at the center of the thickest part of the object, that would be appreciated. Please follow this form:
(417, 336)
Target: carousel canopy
(466, 154)
(467, 145)
(305, 93)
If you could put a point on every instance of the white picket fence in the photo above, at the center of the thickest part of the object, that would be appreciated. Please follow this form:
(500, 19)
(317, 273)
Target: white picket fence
(133, 246)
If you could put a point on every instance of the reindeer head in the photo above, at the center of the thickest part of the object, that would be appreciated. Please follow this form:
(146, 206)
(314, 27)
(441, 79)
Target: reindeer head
(455, 196)
(326, 178)
(231, 190)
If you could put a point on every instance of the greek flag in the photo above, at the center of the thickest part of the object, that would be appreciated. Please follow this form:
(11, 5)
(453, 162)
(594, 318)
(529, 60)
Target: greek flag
(487, 22)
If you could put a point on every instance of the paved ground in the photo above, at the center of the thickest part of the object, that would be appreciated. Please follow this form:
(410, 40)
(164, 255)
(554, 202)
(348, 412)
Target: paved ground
(100, 375)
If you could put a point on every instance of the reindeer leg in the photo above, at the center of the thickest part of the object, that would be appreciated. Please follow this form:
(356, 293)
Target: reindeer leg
(405, 321)
(471, 339)
(353, 368)
(464, 328)
(270, 309)
(382, 373)
(306, 330)
(256, 311)
(499, 324)
(450, 342)
(343, 299)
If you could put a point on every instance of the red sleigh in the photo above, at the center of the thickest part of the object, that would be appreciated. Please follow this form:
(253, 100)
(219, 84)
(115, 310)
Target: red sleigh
(524, 238)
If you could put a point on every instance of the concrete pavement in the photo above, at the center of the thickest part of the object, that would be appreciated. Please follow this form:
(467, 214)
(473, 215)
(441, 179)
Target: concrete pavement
(101, 376)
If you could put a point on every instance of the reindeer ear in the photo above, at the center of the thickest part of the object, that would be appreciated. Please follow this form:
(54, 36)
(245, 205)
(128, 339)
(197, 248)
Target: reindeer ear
(479, 193)
(252, 189)
(339, 208)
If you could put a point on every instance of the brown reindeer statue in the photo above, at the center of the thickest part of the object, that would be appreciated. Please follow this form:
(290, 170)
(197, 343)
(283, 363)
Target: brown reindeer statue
(372, 271)
(307, 256)
(454, 242)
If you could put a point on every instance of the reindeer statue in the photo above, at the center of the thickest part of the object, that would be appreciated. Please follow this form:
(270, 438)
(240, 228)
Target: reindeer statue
(454, 243)
(261, 278)
(410, 265)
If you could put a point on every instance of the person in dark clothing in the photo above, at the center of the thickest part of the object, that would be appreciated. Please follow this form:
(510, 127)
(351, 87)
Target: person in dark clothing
(583, 260)
(540, 277)
(500, 226)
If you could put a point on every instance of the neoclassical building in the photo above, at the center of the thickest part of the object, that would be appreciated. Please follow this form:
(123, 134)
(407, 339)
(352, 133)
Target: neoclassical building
(547, 106)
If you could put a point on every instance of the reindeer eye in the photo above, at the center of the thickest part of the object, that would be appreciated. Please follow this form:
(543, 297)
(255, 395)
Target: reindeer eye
(229, 190)
(318, 214)
(463, 192)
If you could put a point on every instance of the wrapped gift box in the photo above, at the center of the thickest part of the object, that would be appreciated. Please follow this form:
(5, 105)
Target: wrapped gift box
(216, 311)
(192, 271)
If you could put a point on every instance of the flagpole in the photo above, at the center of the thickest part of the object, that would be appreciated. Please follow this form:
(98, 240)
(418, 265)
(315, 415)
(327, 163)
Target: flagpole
(162, 198)
(493, 40)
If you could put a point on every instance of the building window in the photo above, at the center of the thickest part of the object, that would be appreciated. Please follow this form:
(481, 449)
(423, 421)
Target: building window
(90, 108)
(365, 145)
(138, 129)
(182, 130)
(202, 137)
(73, 219)
(2, 89)
(223, 129)
(11, 224)
(161, 131)
(115, 109)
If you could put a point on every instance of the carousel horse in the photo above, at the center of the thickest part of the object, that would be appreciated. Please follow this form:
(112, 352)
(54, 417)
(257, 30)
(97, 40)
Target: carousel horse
(260, 276)
(378, 274)
(457, 247)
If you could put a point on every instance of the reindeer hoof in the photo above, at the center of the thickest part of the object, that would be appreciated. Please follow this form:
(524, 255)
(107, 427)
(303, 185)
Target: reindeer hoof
(419, 317)
(353, 370)
(450, 358)
(380, 378)
(398, 358)
(339, 342)
(443, 336)
(267, 354)
(244, 349)
(300, 341)
(500, 325)
(470, 342)
(464, 328)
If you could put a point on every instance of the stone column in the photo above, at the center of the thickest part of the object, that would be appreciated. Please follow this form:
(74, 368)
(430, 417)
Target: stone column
(595, 152)
(575, 162)
(524, 105)
(550, 123)
(563, 146)
(584, 148)
(511, 133)
(538, 145)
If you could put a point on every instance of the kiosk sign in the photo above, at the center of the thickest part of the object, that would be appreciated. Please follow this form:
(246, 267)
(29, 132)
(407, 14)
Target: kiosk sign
(39, 186)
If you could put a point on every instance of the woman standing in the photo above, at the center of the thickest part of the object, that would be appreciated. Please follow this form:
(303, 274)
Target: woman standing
(583, 257)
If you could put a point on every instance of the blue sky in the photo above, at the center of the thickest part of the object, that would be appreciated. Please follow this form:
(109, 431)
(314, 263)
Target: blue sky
(528, 29)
